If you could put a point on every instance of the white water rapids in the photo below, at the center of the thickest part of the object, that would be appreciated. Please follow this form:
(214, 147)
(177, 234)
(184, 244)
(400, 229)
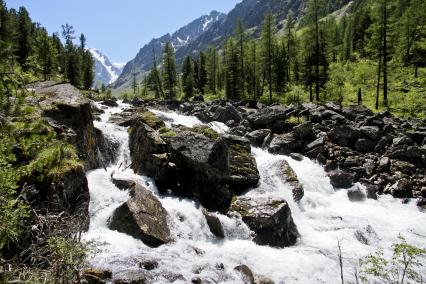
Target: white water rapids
(323, 217)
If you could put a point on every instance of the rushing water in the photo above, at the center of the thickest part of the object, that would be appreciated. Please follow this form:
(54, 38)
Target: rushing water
(323, 217)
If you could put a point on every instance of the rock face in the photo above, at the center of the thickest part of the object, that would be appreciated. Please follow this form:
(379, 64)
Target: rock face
(270, 220)
(142, 217)
(69, 112)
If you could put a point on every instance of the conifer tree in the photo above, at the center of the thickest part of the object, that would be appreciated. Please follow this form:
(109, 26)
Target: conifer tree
(267, 40)
(212, 69)
(241, 39)
(188, 78)
(169, 71)
(24, 37)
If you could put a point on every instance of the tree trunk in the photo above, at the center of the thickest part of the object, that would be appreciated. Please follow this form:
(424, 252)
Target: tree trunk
(359, 96)
(311, 97)
(385, 55)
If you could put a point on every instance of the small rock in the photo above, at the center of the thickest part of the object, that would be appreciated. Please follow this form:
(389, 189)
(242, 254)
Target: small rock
(341, 179)
(214, 224)
(123, 184)
(296, 156)
(421, 202)
(102, 274)
(423, 191)
(372, 190)
(148, 264)
(246, 273)
(356, 194)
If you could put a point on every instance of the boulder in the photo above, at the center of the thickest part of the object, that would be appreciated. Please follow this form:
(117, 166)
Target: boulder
(284, 144)
(270, 220)
(290, 177)
(356, 194)
(110, 103)
(246, 273)
(202, 167)
(341, 179)
(303, 131)
(123, 184)
(407, 153)
(343, 134)
(69, 113)
(401, 189)
(365, 145)
(214, 224)
(421, 202)
(132, 277)
(257, 137)
(269, 117)
(107, 149)
(142, 217)
(227, 113)
(243, 172)
(370, 132)
(314, 148)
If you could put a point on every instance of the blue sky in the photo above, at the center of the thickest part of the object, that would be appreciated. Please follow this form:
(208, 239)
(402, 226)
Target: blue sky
(119, 28)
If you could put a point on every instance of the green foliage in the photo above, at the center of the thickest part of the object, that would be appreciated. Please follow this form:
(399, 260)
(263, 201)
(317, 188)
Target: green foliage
(206, 131)
(67, 258)
(403, 267)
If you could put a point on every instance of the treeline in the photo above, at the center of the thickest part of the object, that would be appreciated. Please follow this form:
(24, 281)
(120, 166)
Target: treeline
(27, 48)
(307, 56)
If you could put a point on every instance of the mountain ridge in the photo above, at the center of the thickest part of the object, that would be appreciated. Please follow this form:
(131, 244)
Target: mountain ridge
(106, 72)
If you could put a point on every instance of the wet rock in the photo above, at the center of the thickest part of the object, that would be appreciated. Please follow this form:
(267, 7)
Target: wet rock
(123, 184)
(341, 179)
(407, 153)
(314, 148)
(214, 224)
(257, 137)
(246, 273)
(148, 264)
(90, 279)
(356, 194)
(227, 113)
(97, 275)
(145, 144)
(423, 192)
(402, 189)
(131, 277)
(106, 149)
(296, 156)
(284, 144)
(372, 191)
(401, 166)
(421, 202)
(202, 168)
(142, 217)
(110, 103)
(290, 177)
(270, 220)
(260, 279)
(243, 172)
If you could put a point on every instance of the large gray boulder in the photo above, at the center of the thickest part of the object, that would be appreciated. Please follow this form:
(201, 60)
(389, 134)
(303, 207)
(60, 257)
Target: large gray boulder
(227, 113)
(285, 144)
(142, 217)
(270, 220)
(269, 117)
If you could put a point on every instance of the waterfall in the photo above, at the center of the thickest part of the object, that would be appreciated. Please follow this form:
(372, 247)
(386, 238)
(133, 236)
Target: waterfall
(324, 217)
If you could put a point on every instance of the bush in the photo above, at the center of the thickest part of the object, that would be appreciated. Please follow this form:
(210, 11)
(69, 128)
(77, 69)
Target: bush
(402, 268)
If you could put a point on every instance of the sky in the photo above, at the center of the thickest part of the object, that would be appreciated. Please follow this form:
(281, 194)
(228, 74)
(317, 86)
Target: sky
(119, 28)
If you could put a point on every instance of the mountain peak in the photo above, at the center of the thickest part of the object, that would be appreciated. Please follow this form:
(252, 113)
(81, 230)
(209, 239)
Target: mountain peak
(106, 72)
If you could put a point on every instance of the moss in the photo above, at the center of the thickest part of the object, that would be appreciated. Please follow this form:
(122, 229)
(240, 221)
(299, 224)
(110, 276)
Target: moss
(290, 174)
(276, 203)
(206, 131)
(295, 120)
(241, 160)
(152, 120)
(166, 132)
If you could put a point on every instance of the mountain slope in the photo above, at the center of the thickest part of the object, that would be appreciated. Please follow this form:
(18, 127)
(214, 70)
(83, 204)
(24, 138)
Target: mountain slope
(181, 38)
(106, 72)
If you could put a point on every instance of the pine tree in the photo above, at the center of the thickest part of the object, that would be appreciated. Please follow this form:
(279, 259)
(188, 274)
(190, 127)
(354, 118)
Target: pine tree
(231, 70)
(267, 40)
(154, 79)
(169, 71)
(188, 78)
(24, 37)
(200, 71)
(290, 24)
(241, 39)
(212, 69)
(88, 74)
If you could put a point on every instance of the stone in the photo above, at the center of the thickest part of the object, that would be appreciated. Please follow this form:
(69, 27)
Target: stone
(314, 148)
(402, 189)
(142, 217)
(407, 153)
(246, 273)
(106, 149)
(227, 113)
(296, 156)
(69, 113)
(110, 103)
(131, 277)
(364, 145)
(372, 191)
(423, 192)
(421, 202)
(370, 132)
(257, 137)
(270, 220)
(284, 144)
(341, 179)
(268, 117)
(356, 194)
(290, 177)
(260, 279)
(303, 131)
(148, 264)
(214, 224)
(343, 134)
(99, 273)
(243, 172)
(123, 184)
(384, 163)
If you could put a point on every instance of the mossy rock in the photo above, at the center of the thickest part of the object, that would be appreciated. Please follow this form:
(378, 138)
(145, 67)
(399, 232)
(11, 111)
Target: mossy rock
(152, 120)
(206, 131)
(166, 132)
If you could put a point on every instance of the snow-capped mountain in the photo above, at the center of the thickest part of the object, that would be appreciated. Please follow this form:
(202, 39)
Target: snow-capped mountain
(106, 72)
(179, 39)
